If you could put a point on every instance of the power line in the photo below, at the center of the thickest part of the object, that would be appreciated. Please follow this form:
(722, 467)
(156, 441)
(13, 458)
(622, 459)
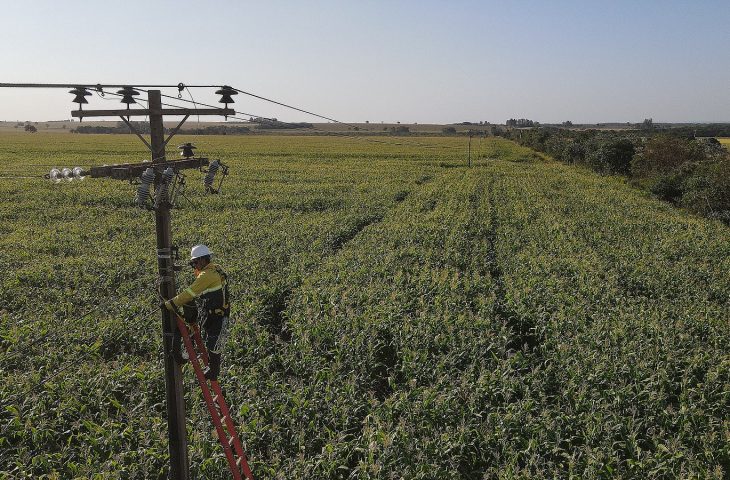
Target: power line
(97, 85)
(322, 116)
(290, 106)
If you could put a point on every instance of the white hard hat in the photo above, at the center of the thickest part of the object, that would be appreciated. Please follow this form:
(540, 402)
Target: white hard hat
(199, 251)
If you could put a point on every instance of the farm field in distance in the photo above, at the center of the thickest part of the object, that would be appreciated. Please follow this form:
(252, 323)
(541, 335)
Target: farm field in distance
(397, 315)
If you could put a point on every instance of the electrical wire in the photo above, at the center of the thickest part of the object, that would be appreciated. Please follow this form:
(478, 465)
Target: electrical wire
(195, 105)
(19, 177)
(94, 85)
(323, 116)
(291, 107)
(99, 89)
(326, 132)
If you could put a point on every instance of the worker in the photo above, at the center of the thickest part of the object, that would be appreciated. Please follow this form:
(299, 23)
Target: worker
(210, 292)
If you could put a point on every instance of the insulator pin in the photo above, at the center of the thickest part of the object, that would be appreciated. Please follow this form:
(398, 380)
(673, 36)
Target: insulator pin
(187, 150)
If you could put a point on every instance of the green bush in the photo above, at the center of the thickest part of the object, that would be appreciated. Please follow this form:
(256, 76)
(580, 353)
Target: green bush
(707, 190)
(663, 155)
(612, 156)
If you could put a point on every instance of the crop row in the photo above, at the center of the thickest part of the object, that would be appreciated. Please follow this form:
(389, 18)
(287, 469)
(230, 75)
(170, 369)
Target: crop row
(398, 315)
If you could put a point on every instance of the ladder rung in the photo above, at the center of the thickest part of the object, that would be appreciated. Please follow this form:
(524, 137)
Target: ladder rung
(224, 419)
(231, 441)
(238, 462)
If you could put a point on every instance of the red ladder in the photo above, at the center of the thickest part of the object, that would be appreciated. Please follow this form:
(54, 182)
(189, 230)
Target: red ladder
(216, 403)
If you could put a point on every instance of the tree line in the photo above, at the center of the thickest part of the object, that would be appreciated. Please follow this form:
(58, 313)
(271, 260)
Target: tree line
(674, 164)
(144, 128)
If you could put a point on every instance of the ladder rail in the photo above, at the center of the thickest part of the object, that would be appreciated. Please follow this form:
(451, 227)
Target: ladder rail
(198, 341)
(231, 428)
(223, 435)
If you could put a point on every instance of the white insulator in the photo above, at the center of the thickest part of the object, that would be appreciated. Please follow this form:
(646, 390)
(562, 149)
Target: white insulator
(143, 190)
(67, 174)
(55, 175)
(208, 180)
(164, 186)
(78, 173)
(177, 189)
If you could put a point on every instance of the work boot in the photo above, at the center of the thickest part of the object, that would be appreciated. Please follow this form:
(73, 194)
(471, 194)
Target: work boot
(214, 366)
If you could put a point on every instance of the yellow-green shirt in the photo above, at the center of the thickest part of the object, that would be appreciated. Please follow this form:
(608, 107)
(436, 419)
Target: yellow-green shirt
(208, 281)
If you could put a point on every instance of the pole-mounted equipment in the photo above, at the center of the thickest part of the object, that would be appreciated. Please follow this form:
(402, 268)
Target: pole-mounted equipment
(186, 150)
(160, 184)
(80, 97)
(128, 94)
(226, 92)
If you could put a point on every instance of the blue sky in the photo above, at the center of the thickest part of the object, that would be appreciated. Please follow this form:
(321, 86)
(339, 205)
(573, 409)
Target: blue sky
(407, 61)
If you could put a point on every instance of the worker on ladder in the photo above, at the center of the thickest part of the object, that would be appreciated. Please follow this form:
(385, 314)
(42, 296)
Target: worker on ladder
(210, 292)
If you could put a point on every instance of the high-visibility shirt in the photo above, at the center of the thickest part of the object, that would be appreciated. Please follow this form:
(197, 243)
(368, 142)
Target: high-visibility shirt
(208, 286)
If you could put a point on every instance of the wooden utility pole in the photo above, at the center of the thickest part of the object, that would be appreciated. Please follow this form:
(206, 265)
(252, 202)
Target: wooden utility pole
(177, 435)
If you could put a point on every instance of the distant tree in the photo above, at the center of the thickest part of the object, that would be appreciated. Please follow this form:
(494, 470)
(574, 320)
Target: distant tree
(449, 130)
(567, 123)
(707, 190)
(712, 147)
(613, 156)
(647, 124)
(663, 155)
(30, 128)
(522, 122)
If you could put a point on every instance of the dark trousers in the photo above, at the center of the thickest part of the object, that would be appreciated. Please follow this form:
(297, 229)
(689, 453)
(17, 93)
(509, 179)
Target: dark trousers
(214, 326)
(216, 332)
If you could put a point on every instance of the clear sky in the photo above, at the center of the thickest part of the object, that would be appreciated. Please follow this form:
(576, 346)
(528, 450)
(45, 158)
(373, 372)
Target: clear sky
(409, 61)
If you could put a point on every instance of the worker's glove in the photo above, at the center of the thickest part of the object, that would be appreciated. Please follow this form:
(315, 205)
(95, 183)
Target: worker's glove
(168, 305)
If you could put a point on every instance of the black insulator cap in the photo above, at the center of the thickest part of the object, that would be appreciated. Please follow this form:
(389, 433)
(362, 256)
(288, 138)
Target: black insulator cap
(128, 94)
(226, 92)
(187, 150)
(80, 93)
